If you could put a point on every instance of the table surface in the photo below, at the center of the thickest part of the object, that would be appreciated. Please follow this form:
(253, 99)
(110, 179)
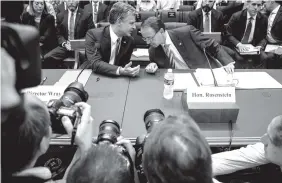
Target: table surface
(126, 100)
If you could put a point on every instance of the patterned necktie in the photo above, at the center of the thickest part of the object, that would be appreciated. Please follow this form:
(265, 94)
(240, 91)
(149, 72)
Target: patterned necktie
(207, 23)
(117, 48)
(248, 31)
(170, 55)
(95, 13)
(71, 31)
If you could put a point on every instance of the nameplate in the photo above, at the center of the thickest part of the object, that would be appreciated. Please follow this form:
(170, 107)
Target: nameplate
(171, 14)
(46, 92)
(211, 94)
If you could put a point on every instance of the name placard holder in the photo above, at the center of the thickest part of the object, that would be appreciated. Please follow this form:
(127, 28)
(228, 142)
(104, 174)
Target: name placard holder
(46, 92)
(211, 104)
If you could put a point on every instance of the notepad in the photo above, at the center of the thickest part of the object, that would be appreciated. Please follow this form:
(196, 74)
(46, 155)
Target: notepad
(271, 47)
(252, 50)
(141, 52)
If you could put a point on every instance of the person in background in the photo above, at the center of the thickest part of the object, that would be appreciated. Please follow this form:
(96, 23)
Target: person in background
(98, 11)
(168, 4)
(38, 17)
(146, 5)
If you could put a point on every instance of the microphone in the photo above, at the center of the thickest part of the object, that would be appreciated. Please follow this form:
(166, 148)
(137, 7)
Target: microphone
(97, 46)
(203, 46)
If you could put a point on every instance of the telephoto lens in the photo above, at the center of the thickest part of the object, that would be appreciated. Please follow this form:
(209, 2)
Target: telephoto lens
(152, 117)
(109, 131)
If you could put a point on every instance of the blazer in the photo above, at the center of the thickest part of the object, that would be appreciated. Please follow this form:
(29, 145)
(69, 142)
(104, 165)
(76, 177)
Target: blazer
(189, 42)
(276, 30)
(101, 36)
(47, 30)
(195, 18)
(237, 25)
(83, 22)
(101, 16)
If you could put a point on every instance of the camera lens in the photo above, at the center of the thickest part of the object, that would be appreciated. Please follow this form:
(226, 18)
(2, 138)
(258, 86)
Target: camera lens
(109, 131)
(74, 93)
(151, 117)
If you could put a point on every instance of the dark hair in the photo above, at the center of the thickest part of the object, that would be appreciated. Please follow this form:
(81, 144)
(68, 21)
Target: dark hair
(120, 11)
(12, 10)
(103, 164)
(153, 22)
(279, 2)
(277, 129)
(176, 151)
(20, 143)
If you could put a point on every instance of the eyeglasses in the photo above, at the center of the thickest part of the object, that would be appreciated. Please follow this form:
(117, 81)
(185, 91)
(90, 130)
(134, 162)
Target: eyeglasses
(149, 39)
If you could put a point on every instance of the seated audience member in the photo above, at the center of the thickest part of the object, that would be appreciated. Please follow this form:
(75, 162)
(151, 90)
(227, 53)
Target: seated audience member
(168, 4)
(109, 49)
(269, 150)
(274, 33)
(47, 6)
(71, 24)
(38, 17)
(23, 142)
(182, 48)
(246, 27)
(104, 164)
(176, 151)
(146, 5)
(206, 18)
(98, 11)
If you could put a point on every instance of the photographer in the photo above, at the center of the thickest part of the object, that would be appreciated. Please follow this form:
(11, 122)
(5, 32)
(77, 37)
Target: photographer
(24, 142)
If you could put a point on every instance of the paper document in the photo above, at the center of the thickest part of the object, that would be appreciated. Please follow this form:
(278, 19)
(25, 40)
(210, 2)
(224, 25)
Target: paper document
(255, 80)
(183, 81)
(71, 75)
(140, 52)
(271, 48)
(252, 50)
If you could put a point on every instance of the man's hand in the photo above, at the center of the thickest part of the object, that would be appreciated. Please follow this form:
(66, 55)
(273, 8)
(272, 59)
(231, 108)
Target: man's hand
(151, 68)
(242, 48)
(127, 70)
(67, 45)
(278, 51)
(84, 133)
(127, 144)
(229, 68)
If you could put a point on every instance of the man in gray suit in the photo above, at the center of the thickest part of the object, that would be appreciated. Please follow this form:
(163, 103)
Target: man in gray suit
(182, 48)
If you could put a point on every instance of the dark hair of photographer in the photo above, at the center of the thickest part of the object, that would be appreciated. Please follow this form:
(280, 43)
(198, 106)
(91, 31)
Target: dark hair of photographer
(38, 17)
(103, 164)
(11, 11)
(176, 151)
(22, 145)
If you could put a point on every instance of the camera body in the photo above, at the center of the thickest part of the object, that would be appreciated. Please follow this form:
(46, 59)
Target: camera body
(151, 118)
(65, 106)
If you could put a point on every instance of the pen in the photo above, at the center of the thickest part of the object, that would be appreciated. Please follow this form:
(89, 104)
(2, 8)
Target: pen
(43, 81)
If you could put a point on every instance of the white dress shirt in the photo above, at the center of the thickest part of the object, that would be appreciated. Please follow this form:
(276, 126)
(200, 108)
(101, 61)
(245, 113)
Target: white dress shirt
(114, 39)
(97, 4)
(253, 27)
(179, 62)
(270, 24)
(168, 4)
(204, 19)
(69, 16)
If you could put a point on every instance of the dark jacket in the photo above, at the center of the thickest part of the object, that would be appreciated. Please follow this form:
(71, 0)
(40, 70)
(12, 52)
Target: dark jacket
(189, 42)
(102, 57)
(195, 18)
(101, 15)
(276, 30)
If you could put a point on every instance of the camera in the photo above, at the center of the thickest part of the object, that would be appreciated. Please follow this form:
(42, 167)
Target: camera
(151, 118)
(65, 106)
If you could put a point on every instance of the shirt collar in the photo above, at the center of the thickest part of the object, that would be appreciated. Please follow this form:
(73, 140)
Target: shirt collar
(204, 13)
(75, 11)
(94, 3)
(113, 35)
(249, 16)
(167, 39)
(275, 11)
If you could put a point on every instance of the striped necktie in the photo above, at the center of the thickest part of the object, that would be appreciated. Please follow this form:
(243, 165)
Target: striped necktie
(170, 55)
(71, 31)
(248, 31)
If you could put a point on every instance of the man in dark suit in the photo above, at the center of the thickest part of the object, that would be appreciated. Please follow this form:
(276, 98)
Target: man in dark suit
(247, 27)
(274, 34)
(182, 48)
(71, 24)
(109, 49)
(98, 11)
(206, 19)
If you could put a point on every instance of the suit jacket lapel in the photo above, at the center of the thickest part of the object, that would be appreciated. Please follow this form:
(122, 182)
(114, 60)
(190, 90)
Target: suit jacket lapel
(279, 13)
(65, 21)
(77, 18)
(123, 46)
(106, 43)
(243, 20)
(213, 20)
(256, 31)
(200, 14)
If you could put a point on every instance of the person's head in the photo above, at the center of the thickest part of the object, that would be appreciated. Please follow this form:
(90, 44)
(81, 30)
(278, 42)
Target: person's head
(153, 31)
(253, 6)
(272, 141)
(72, 4)
(122, 18)
(207, 5)
(23, 142)
(104, 164)
(270, 5)
(176, 151)
(36, 6)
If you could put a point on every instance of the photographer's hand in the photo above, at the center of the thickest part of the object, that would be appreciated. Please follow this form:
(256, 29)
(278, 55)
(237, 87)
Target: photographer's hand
(84, 133)
(129, 147)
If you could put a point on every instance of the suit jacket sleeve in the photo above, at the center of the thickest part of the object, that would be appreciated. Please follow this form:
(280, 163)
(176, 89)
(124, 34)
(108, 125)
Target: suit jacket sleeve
(97, 64)
(243, 158)
(230, 27)
(191, 19)
(212, 47)
(50, 23)
(60, 29)
(263, 42)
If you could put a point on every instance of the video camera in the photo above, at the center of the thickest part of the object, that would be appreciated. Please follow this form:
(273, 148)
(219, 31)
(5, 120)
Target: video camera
(151, 118)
